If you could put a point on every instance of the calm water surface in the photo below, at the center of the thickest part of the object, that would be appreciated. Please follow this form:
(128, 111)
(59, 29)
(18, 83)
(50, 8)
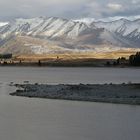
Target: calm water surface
(41, 119)
(69, 75)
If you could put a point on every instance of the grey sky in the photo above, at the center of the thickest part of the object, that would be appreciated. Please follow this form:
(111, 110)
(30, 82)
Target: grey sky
(68, 8)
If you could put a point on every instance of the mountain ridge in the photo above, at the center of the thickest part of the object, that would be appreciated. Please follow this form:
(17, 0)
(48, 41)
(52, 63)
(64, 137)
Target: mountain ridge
(71, 35)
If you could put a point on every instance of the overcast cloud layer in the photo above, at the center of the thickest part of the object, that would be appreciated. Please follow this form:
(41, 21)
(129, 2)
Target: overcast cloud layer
(97, 9)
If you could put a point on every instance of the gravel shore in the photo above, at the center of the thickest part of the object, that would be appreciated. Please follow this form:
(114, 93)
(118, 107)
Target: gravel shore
(109, 93)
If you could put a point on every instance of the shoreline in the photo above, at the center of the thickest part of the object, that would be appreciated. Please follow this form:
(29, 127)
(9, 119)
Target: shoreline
(68, 63)
(85, 62)
(106, 93)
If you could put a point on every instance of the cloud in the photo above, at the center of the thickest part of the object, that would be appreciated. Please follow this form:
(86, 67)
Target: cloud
(10, 9)
(114, 6)
(135, 1)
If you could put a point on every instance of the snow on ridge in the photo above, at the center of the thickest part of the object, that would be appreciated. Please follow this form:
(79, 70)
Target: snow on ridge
(85, 20)
(122, 26)
(49, 27)
(3, 23)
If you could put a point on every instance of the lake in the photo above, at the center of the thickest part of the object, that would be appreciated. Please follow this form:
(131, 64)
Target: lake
(69, 75)
(33, 119)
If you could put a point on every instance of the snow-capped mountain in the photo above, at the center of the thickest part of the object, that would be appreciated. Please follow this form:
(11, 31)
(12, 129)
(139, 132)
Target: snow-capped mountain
(126, 29)
(59, 34)
(45, 27)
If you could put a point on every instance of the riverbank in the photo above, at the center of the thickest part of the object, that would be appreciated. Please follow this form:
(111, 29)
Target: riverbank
(109, 93)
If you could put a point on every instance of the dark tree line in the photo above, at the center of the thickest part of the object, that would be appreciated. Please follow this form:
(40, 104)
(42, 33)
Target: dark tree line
(5, 56)
(134, 60)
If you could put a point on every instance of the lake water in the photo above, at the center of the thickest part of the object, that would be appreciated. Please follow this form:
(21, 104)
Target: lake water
(69, 75)
(41, 119)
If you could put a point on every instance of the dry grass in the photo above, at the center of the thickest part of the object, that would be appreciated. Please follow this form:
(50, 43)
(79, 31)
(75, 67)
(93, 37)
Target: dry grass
(72, 56)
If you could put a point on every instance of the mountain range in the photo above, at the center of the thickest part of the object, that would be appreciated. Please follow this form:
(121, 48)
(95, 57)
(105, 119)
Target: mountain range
(44, 35)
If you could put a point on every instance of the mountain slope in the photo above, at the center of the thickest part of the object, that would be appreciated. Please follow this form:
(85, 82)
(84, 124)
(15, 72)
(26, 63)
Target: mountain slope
(56, 35)
(125, 29)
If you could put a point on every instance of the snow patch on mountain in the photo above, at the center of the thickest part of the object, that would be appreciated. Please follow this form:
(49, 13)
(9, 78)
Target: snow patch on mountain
(3, 23)
(87, 21)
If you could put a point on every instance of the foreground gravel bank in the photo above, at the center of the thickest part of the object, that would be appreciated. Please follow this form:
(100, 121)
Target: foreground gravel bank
(110, 93)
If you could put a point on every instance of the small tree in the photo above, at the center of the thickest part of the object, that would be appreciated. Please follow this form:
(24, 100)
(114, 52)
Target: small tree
(39, 63)
(108, 63)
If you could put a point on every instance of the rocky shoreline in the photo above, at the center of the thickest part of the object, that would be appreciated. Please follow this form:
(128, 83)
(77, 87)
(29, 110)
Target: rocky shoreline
(109, 93)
